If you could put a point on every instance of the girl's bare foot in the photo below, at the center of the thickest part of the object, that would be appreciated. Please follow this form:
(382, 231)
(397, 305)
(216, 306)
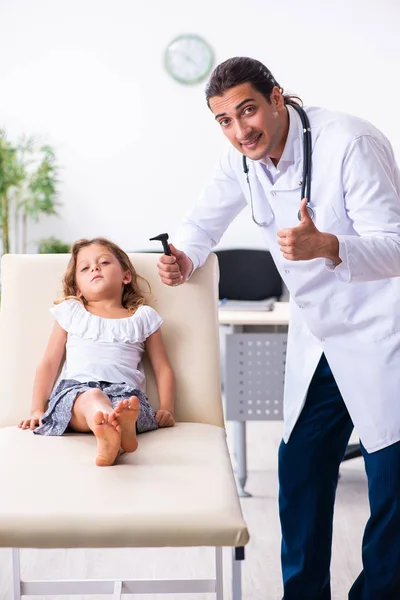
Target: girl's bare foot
(108, 434)
(126, 413)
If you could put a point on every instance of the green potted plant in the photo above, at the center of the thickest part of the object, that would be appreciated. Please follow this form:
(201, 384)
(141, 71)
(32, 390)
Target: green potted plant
(28, 188)
(52, 245)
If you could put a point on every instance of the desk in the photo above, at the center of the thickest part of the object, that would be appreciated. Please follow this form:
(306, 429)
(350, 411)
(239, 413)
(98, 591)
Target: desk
(253, 370)
(278, 316)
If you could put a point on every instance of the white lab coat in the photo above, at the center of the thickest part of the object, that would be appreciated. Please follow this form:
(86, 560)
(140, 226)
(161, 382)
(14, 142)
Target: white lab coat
(351, 312)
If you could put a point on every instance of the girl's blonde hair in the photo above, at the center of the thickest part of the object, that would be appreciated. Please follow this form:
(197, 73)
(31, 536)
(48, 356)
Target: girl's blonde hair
(132, 295)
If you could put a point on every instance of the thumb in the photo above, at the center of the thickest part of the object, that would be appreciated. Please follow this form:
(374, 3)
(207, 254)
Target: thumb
(174, 251)
(305, 217)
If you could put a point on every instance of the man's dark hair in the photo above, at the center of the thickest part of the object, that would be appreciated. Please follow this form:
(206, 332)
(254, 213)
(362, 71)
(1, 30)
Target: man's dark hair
(235, 71)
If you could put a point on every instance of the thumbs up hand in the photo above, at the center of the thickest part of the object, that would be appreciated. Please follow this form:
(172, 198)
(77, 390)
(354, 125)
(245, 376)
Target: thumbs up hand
(305, 241)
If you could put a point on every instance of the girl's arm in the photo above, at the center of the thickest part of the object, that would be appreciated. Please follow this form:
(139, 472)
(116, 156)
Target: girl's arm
(46, 374)
(164, 377)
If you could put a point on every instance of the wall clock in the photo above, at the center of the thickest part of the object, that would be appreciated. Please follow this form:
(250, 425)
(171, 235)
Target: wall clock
(189, 59)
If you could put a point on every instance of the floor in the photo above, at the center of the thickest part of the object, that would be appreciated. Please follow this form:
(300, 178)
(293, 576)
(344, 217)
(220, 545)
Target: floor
(261, 570)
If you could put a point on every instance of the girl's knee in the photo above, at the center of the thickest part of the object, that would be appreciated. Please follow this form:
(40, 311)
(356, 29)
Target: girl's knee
(93, 394)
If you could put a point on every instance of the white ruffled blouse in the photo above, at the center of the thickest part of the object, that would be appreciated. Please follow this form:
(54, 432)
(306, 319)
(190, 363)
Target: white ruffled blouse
(100, 349)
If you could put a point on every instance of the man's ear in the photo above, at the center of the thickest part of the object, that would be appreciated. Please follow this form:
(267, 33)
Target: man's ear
(276, 98)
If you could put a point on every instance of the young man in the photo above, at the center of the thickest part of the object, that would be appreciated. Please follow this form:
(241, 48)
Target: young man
(341, 263)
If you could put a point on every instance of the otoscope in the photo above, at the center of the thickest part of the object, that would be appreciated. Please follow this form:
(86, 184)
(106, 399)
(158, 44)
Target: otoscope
(163, 238)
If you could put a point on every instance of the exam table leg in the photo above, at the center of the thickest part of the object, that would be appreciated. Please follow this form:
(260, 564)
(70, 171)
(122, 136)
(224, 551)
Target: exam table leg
(16, 574)
(237, 558)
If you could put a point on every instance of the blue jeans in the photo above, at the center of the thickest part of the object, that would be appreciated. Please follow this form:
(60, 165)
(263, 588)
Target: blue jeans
(308, 475)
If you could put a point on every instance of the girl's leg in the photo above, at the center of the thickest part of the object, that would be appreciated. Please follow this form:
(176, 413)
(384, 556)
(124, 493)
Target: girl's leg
(92, 411)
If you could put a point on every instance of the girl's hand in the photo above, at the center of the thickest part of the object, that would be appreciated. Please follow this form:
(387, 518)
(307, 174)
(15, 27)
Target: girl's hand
(164, 418)
(34, 421)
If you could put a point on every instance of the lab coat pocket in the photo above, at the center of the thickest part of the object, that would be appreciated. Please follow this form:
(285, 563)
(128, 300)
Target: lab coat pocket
(325, 219)
(369, 310)
(389, 321)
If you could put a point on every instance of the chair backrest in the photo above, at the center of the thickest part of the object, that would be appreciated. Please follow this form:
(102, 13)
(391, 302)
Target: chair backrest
(247, 274)
(30, 283)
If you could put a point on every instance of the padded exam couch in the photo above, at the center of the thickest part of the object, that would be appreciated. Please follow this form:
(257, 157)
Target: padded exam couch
(53, 495)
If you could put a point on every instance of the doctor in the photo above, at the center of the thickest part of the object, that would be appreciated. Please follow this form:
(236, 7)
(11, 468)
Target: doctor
(341, 263)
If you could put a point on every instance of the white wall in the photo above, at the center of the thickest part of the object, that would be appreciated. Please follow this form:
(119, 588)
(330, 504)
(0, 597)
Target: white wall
(135, 146)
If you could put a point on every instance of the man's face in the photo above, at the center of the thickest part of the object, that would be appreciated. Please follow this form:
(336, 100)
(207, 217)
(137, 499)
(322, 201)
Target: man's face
(256, 127)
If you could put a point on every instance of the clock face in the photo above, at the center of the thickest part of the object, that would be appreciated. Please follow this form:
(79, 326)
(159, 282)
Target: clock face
(189, 59)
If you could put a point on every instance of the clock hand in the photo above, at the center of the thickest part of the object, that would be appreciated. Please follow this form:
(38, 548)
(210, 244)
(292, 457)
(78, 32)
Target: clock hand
(188, 58)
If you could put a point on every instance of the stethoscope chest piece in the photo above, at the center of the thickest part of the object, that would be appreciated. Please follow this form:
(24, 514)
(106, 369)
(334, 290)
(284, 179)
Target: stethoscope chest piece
(310, 212)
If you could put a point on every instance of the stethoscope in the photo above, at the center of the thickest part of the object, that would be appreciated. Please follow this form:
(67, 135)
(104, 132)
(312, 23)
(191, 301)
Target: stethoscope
(307, 163)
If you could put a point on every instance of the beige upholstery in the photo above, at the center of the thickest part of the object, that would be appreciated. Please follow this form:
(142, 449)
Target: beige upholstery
(176, 490)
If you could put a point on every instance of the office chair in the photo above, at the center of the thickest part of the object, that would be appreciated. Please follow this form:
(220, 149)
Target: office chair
(352, 451)
(247, 274)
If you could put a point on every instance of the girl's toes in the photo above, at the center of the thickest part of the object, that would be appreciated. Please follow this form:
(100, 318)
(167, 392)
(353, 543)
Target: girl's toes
(115, 423)
(98, 418)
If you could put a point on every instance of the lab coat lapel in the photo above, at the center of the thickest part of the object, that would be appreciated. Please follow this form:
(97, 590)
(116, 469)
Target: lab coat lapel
(284, 202)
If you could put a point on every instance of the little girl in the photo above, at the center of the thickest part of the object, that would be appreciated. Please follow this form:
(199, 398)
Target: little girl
(104, 327)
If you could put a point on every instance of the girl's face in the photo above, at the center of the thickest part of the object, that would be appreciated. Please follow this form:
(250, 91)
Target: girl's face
(99, 274)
